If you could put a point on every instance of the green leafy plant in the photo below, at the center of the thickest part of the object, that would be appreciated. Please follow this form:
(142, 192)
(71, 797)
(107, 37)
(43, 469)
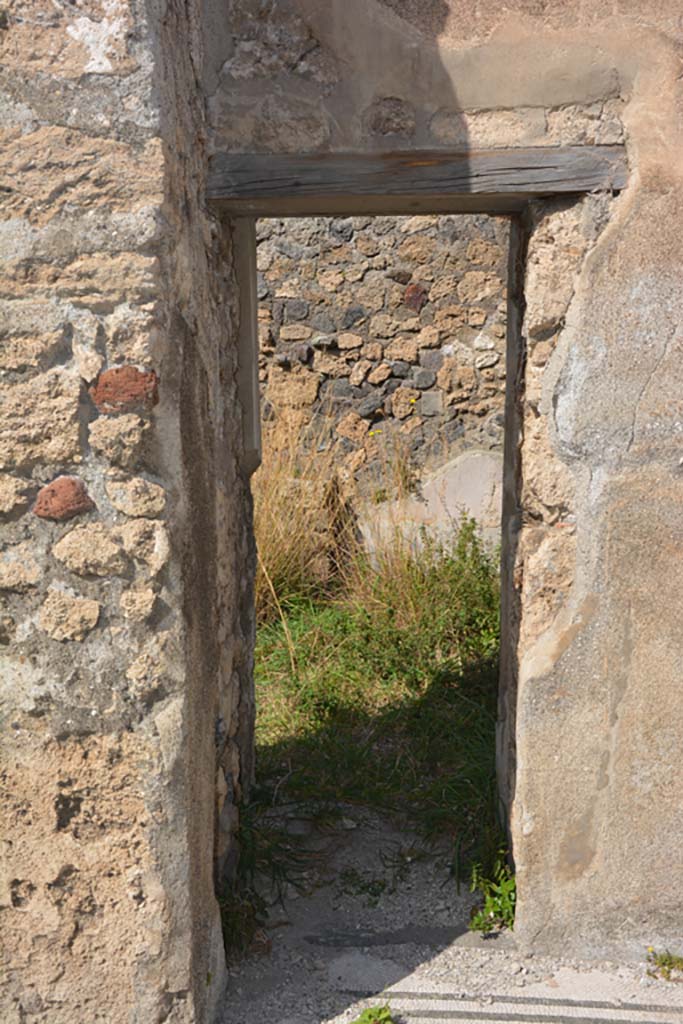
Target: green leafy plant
(499, 892)
(375, 1015)
(385, 695)
(664, 964)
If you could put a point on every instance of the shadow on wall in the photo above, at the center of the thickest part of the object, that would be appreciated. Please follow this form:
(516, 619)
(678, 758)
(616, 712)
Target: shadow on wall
(305, 76)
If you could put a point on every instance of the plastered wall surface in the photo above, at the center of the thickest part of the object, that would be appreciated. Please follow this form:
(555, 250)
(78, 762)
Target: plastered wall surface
(125, 624)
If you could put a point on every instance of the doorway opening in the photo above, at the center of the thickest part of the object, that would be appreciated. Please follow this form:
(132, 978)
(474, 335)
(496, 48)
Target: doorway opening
(382, 354)
(553, 224)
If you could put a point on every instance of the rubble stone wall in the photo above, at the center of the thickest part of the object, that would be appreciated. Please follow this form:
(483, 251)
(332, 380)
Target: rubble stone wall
(311, 77)
(392, 325)
(125, 563)
(124, 560)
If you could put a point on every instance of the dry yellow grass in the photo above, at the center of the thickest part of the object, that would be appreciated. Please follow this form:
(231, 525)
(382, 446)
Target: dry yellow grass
(302, 521)
(305, 519)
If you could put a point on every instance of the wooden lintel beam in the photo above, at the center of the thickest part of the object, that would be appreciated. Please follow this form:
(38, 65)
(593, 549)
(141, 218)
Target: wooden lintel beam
(487, 181)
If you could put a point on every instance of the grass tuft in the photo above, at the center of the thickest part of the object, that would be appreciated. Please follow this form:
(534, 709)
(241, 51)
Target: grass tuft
(664, 964)
(301, 519)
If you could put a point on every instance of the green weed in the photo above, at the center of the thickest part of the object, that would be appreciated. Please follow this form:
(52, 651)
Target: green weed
(375, 1015)
(498, 889)
(665, 964)
(391, 700)
(376, 674)
(270, 861)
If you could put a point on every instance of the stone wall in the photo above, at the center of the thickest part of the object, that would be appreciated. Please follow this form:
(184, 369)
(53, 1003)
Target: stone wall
(386, 325)
(126, 628)
(307, 77)
(124, 639)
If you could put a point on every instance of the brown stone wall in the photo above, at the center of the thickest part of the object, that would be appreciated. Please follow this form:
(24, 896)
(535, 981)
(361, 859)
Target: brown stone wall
(124, 561)
(386, 325)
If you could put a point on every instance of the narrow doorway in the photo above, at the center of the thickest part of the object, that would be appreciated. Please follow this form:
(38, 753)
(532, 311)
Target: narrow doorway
(382, 352)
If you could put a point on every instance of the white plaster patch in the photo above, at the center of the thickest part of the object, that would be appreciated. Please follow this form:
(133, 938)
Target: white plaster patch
(99, 37)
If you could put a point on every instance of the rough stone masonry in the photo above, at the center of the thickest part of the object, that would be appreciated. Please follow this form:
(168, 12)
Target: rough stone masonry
(386, 326)
(125, 563)
(126, 555)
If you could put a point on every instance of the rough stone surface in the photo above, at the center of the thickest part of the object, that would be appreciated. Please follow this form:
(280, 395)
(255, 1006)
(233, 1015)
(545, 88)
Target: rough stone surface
(121, 440)
(146, 541)
(389, 116)
(90, 550)
(411, 289)
(138, 603)
(124, 388)
(115, 277)
(39, 421)
(64, 498)
(65, 617)
(136, 496)
(18, 568)
(601, 378)
(13, 494)
(122, 777)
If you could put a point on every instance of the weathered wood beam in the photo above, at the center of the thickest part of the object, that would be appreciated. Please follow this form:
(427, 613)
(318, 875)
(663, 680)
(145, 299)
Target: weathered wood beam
(487, 181)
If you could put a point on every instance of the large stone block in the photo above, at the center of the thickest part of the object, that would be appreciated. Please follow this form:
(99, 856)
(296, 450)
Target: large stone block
(39, 421)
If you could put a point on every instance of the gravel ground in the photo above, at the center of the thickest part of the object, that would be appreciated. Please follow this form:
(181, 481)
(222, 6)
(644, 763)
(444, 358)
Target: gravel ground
(380, 909)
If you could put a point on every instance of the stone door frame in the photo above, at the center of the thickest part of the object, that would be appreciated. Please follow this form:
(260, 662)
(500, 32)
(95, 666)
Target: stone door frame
(526, 185)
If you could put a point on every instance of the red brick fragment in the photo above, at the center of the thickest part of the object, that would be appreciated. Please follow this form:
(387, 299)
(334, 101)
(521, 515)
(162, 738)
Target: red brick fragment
(124, 388)
(64, 498)
(415, 296)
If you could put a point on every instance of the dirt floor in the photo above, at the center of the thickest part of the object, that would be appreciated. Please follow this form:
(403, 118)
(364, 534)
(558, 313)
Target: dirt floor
(379, 920)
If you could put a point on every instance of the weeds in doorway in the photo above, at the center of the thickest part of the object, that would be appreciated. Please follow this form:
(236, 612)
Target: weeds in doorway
(497, 888)
(391, 700)
(302, 522)
(243, 913)
(376, 667)
(270, 862)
